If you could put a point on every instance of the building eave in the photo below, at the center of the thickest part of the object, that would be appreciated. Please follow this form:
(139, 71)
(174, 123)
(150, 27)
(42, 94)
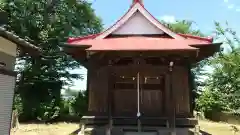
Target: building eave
(19, 41)
(208, 39)
(67, 45)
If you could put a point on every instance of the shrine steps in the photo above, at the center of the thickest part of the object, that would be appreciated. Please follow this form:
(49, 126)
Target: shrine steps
(96, 125)
(132, 130)
(130, 121)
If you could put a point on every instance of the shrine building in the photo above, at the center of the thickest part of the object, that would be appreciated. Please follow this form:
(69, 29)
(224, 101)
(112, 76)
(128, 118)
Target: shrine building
(139, 71)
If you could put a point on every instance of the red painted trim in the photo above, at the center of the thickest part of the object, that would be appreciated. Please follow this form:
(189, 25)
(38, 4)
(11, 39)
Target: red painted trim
(70, 40)
(138, 1)
(209, 39)
(119, 19)
(95, 35)
(156, 19)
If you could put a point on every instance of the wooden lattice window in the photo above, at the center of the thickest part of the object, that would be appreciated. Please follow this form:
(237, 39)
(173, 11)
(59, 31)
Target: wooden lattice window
(124, 61)
(125, 82)
(153, 83)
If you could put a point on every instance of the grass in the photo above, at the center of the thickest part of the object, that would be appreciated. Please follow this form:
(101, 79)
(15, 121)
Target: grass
(213, 128)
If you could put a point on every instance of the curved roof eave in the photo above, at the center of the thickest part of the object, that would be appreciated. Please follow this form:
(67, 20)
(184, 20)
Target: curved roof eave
(134, 8)
(137, 6)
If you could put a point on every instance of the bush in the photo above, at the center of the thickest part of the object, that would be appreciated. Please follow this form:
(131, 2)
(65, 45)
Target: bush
(79, 105)
(17, 104)
(74, 105)
(47, 112)
(69, 108)
(210, 102)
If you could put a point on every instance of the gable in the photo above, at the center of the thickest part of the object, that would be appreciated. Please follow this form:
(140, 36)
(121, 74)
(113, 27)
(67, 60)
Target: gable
(137, 24)
(130, 14)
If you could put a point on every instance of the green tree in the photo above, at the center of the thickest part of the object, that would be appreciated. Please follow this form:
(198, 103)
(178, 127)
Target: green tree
(224, 81)
(74, 102)
(47, 23)
(183, 27)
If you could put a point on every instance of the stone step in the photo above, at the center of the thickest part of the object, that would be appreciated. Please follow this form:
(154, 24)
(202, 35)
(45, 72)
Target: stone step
(133, 131)
(131, 121)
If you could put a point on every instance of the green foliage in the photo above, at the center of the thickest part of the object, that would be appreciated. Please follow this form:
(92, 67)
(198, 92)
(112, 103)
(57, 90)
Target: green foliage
(48, 112)
(80, 103)
(183, 27)
(66, 108)
(223, 85)
(74, 104)
(47, 23)
(210, 102)
(18, 104)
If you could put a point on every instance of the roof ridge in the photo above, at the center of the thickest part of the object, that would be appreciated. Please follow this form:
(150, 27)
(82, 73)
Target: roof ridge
(72, 39)
(17, 39)
(210, 39)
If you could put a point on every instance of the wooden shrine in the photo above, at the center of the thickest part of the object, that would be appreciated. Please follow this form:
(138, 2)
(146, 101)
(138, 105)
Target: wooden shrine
(139, 69)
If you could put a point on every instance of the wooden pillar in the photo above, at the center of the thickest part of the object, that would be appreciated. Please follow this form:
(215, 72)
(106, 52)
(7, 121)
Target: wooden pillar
(191, 84)
(172, 101)
(110, 96)
(89, 71)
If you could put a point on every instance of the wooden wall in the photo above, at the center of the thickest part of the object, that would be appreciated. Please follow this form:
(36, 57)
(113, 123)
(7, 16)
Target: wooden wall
(98, 90)
(181, 90)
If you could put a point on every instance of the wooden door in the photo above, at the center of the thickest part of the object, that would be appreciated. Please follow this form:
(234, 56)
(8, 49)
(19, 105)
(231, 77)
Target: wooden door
(125, 95)
(152, 95)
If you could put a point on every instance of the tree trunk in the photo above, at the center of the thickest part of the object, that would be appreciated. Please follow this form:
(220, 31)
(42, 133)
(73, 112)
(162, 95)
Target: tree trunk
(15, 122)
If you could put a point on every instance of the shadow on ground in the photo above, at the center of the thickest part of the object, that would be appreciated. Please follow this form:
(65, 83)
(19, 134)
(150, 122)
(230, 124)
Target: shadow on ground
(204, 133)
(75, 132)
(190, 132)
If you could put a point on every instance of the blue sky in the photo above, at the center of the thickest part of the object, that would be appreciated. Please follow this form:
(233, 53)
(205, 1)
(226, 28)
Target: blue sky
(203, 12)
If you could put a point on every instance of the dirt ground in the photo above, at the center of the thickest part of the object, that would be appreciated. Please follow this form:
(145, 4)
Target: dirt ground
(211, 128)
(214, 128)
(41, 129)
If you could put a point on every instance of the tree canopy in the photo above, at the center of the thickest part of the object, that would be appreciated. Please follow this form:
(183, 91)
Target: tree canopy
(183, 27)
(45, 24)
(222, 91)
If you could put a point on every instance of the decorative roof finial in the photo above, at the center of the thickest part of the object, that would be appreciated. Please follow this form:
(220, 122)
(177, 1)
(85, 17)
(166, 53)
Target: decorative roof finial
(138, 1)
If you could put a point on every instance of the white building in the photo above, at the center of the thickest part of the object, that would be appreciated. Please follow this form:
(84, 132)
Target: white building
(9, 44)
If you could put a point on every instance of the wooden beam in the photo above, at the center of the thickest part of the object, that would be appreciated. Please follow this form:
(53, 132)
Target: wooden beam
(166, 106)
(190, 88)
(110, 95)
(89, 72)
(172, 101)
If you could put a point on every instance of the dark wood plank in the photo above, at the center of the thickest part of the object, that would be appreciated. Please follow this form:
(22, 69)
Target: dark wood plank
(8, 72)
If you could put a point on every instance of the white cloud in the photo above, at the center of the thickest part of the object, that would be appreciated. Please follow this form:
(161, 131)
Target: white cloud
(226, 1)
(231, 6)
(168, 18)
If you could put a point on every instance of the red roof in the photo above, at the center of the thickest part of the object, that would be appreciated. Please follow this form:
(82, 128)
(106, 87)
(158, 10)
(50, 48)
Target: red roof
(200, 40)
(136, 43)
(183, 41)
